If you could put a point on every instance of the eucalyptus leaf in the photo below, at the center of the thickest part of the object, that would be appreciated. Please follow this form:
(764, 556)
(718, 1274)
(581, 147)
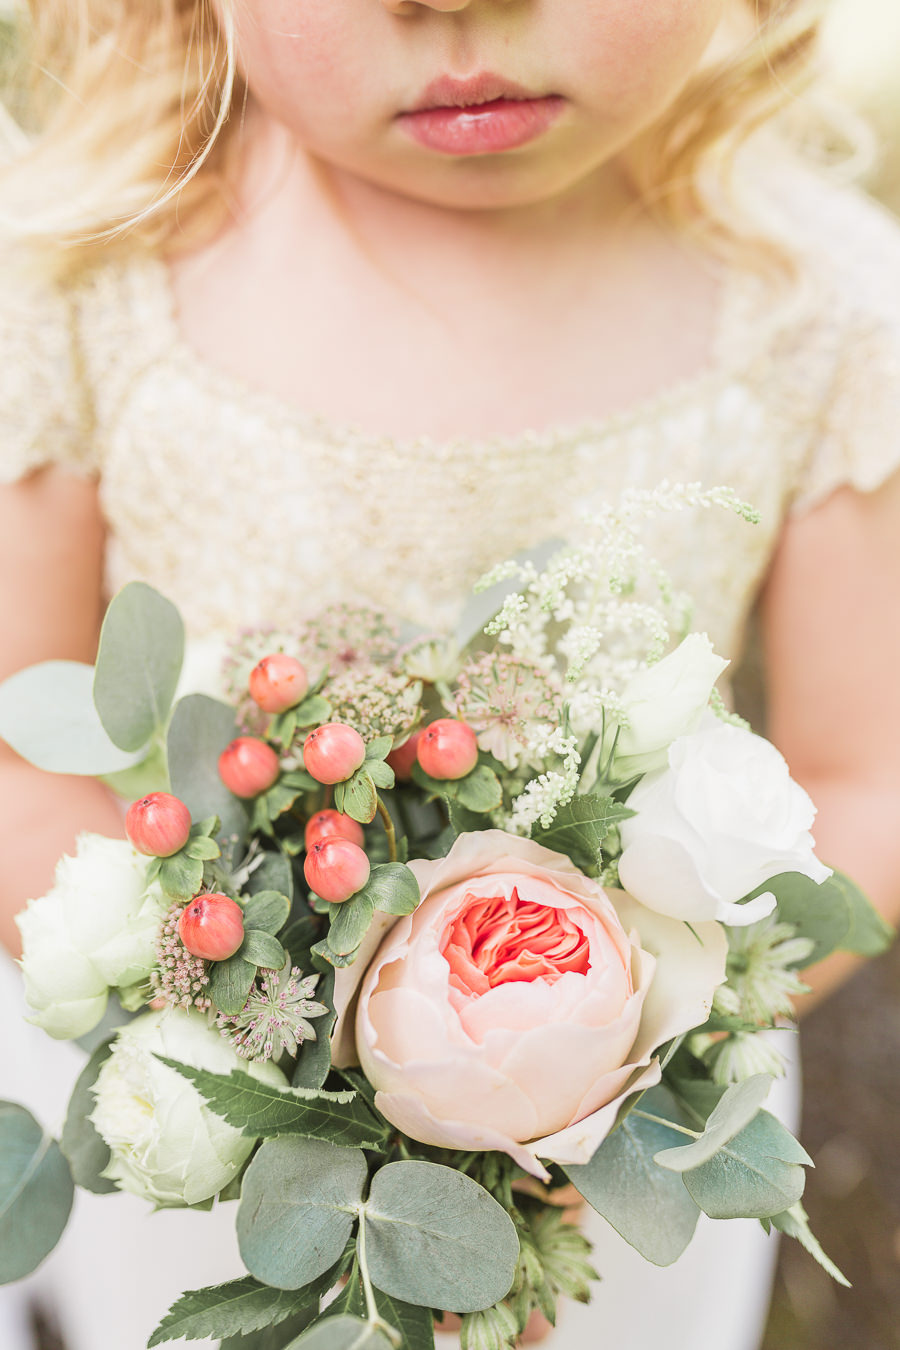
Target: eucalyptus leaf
(47, 715)
(266, 911)
(834, 916)
(229, 984)
(85, 1149)
(36, 1193)
(757, 1174)
(648, 1206)
(138, 664)
(435, 1238)
(240, 1306)
(392, 888)
(262, 949)
(200, 730)
(480, 791)
(736, 1108)
(350, 924)
(263, 1110)
(298, 1207)
(342, 1333)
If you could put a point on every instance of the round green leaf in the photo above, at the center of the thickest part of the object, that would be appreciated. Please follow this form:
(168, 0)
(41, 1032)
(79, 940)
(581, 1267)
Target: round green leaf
(200, 730)
(299, 1202)
(35, 1193)
(757, 1174)
(341, 1333)
(436, 1238)
(47, 715)
(734, 1112)
(138, 664)
(86, 1150)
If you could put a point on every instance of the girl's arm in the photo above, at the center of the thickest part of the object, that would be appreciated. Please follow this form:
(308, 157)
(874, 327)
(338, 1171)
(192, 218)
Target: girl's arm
(51, 558)
(831, 631)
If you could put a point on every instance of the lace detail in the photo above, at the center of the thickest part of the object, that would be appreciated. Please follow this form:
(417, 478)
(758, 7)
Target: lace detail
(246, 511)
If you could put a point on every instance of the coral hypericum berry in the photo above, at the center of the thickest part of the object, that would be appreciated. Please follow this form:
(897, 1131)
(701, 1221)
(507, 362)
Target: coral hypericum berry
(212, 926)
(404, 757)
(333, 753)
(158, 825)
(278, 682)
(333, 825)
(448, 749)
(336, 869)
(248, 766)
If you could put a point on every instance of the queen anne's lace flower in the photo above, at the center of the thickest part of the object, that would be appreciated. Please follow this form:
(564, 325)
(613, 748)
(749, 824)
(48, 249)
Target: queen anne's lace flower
(276, 1016)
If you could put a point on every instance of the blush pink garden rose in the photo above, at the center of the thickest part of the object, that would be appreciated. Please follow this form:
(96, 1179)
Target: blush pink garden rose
(520, 1003)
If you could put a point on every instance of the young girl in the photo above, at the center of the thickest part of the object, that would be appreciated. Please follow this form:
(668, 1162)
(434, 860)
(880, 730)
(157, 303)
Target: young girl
(317, 300)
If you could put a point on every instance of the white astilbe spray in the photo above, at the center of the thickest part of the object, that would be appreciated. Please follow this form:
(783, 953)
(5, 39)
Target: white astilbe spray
(607, 609)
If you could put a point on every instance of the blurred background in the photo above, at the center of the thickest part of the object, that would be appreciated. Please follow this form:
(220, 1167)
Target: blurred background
(851, 1045)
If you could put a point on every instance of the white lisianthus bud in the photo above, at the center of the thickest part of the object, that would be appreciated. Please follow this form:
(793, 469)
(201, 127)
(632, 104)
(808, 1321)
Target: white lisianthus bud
(95, 930)
(663, 702)
(167, 1146)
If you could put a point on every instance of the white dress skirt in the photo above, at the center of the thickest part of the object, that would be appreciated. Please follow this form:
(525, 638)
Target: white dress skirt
(120, 1266)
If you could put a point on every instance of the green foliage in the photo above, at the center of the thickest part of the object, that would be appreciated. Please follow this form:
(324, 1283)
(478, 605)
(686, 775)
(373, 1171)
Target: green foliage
(180, 876)
(298, 1206)
(479, 792)
(239, 1307)
(647, 1205)
(260, 1109)
(835, 916)
(262, 949)
(36, 1192)
(794, 1223)
(266, 912)
(581, 828)
(272, 1338)
(274, 873)
(86, 1151)
(47, 715)
(350, 923)
(138, 664)
(358, 797)
(229, 983)
(757, 1174)
(342, 1333)
(414, 1325)
(392, 888)
(314, 1060)
(434, 1237)
(494, 1328)
(201, 728)
(734, 1111)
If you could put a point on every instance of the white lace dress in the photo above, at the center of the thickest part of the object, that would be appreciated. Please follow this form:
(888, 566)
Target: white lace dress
(229, 501)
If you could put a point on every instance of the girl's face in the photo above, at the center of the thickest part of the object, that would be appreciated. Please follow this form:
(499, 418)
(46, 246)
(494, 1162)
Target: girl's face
(470, 103)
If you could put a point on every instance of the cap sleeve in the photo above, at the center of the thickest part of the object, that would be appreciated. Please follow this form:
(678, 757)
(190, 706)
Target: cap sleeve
(45, 415)
(855, 440)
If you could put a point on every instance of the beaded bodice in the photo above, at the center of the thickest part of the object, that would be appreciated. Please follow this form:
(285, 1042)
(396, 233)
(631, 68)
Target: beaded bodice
(245, 511)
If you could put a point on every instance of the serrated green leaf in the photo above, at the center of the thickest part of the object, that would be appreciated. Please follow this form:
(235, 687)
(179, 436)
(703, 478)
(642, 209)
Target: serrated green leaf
(647, 1205)
(47, 715)
(437, 1239)
(314, 1057)
(794, 1223)
(138, 664)
(262, 949)
(342, 1333)
(36, 1193)
(736, 1108)
(201, 728)
(273, 1338)
(415, 1325)
(759, 1173)
(480, 791)
(298, 1206)
(580, 828)
(350, 923)
(262, 1110)
(86, 1151)
(392, 888)
(202, 849)
(180, 876)
(238, 1307)
(266, 911)
(229, 984)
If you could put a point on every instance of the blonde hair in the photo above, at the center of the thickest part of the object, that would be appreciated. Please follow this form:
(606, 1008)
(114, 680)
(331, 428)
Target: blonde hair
(127, 125)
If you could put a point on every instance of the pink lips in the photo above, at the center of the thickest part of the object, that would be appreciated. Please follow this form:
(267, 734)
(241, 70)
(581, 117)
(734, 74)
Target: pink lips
(482, 115)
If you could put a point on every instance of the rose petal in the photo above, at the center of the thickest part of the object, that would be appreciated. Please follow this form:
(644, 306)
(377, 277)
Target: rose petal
(411, 1116)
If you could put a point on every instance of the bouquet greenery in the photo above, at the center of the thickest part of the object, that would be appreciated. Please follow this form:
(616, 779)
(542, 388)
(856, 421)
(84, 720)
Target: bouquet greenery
(411, 932)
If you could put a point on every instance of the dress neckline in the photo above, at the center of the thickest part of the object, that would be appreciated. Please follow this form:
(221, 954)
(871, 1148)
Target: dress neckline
(724, 360)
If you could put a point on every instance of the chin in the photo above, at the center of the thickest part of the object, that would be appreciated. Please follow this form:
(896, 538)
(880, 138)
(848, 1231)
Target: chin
(480, 183)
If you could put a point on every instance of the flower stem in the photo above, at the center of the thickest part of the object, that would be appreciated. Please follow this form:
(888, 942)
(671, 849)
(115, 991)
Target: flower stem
(371, 1306)
(388, 824)
(669, 1124)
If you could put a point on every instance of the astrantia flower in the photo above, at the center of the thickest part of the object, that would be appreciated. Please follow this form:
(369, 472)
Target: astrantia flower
(761, 980)
(507, 701)
(180, 978)
(431, 658)
(373, 701)
(742, 1055)
(343, 635)
(276, 1016)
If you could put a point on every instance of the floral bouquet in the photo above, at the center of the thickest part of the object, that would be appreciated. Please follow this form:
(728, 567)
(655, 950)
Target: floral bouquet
(412, 932)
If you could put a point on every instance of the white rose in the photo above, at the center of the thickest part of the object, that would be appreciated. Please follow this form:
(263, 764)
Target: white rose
(167, 1146)
(665, 701)
(95, 930)
(724, 818)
